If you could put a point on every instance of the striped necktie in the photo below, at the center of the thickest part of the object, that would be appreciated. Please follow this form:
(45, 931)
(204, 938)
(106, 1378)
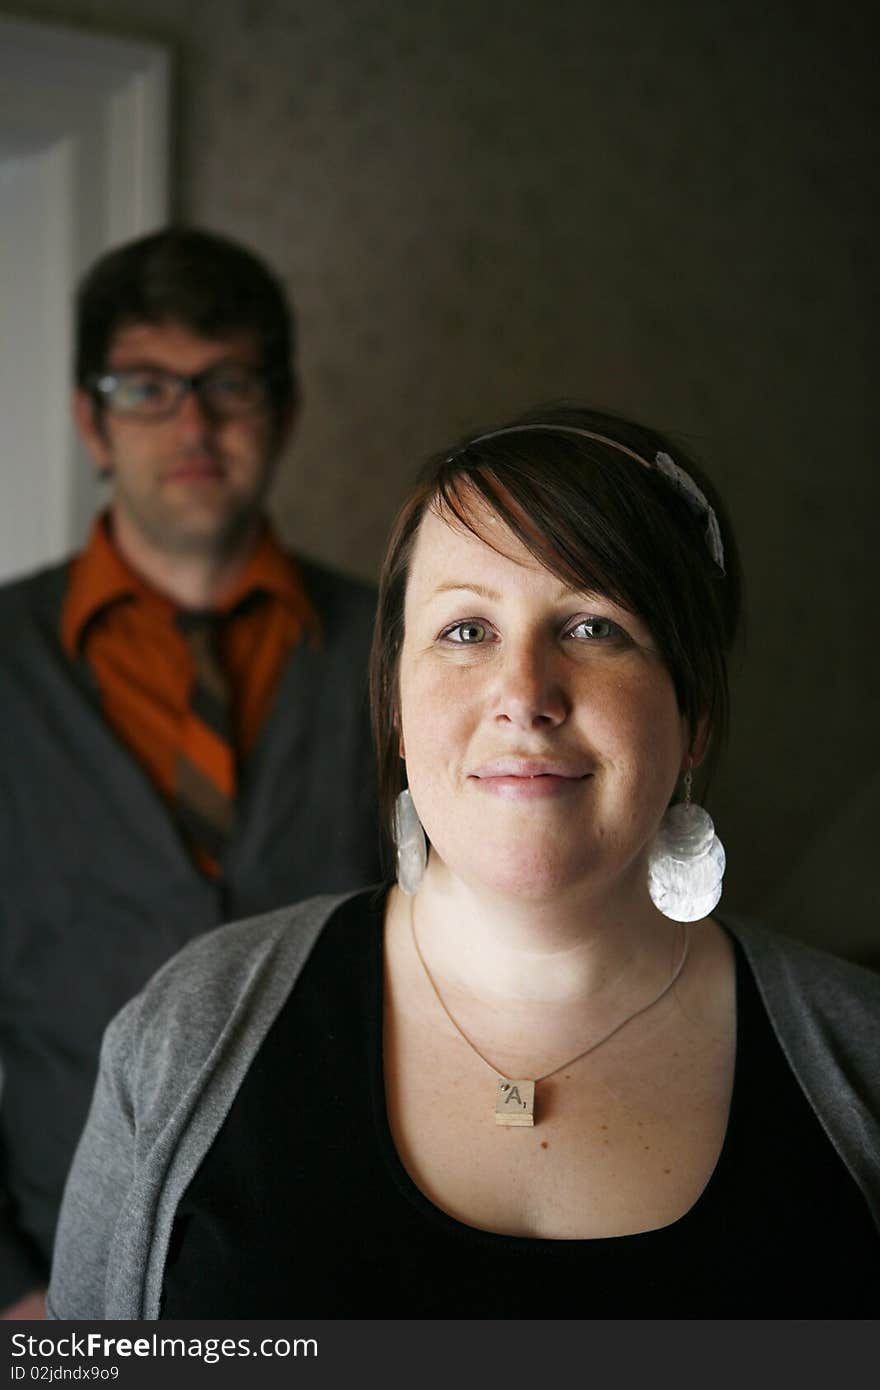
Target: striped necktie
(205, 770)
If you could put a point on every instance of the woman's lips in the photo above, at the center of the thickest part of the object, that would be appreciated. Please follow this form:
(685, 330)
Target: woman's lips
(528, 780)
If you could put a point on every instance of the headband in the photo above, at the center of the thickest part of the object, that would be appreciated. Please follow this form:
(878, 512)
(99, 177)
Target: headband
(682, 482)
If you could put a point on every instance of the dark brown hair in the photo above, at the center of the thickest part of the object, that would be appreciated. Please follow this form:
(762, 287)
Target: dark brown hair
(212, 285)
(602, 523)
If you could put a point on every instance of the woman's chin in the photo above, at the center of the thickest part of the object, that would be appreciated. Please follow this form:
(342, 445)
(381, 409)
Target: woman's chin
(528, 875)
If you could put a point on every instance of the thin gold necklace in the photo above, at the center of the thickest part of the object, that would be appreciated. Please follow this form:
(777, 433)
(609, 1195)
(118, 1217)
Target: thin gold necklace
(515, 1098)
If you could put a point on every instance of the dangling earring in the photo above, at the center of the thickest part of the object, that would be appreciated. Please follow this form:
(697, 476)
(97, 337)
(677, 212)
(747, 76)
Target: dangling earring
(409, 839)
(686, 862)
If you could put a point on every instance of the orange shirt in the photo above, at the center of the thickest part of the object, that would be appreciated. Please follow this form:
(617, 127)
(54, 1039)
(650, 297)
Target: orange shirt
(142, 662)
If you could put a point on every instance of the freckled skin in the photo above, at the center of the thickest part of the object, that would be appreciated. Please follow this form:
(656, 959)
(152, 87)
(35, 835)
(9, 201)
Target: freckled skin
(534, 912)
(499, 658)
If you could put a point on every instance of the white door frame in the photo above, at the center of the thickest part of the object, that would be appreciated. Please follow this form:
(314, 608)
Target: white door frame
(84, 164)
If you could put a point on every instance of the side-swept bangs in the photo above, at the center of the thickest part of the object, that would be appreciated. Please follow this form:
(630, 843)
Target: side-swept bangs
(599, 520)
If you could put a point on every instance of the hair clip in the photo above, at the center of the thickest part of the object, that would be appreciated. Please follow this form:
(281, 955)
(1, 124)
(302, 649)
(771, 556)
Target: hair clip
(697, 501)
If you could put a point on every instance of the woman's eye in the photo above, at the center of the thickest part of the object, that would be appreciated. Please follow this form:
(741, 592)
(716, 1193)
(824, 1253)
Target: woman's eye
(466, 634)
(595, 630)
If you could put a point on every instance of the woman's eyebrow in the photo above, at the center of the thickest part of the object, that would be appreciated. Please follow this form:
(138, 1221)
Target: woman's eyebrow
(481, 591)
(567, 592)
(564, 595)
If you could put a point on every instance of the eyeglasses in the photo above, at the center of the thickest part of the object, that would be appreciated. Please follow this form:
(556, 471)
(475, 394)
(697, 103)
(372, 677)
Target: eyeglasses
(152, 393)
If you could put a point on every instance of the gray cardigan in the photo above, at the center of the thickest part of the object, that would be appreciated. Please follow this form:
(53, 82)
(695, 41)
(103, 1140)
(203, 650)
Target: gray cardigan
(98, 890)
(174, 1058)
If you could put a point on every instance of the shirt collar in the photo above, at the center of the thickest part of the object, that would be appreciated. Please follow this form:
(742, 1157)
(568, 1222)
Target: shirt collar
(271, 570)
(100, 577)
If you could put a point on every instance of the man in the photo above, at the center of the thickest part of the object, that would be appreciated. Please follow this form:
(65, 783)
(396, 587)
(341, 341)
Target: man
(183, 728)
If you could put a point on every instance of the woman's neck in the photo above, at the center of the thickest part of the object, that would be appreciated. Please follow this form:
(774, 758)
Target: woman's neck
(581, 944)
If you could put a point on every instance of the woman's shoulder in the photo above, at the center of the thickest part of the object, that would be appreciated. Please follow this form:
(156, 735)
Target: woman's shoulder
(823, 1008)
(825, 1013)
(783, 960)
(229, 957)
(226, 956)
(222, 990)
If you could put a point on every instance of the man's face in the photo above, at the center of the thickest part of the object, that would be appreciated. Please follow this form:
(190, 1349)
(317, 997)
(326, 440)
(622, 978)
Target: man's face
(194, 482)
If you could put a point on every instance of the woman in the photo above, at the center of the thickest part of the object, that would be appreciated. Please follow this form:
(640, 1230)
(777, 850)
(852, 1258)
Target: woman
(538, 1078)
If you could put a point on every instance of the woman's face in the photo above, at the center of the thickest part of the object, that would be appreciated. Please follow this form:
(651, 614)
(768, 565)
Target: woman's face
(540, 728)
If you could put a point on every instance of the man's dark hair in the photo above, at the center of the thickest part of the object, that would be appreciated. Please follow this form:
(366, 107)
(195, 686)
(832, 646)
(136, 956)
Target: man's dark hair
(599, 520)
(182, 274)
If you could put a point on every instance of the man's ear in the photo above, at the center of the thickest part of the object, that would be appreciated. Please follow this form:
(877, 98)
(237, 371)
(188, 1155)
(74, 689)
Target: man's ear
(90, 428)
(287, 422)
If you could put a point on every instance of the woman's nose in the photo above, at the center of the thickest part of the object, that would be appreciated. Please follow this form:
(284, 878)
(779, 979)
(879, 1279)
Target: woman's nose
(531, 691)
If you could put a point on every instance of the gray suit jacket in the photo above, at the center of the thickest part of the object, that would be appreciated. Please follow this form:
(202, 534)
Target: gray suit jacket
(175, 1057)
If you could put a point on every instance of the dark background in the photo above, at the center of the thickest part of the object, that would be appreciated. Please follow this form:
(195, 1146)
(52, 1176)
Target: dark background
(667, 209)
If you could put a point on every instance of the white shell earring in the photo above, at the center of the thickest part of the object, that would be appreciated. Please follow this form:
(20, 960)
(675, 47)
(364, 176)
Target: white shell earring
(686, 861)
(409, 840)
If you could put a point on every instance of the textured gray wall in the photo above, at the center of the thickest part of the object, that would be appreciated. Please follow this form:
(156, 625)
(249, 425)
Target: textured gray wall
(667, 209)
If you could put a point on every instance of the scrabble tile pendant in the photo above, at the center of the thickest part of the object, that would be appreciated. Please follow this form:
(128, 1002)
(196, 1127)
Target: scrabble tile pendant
(515, 1102)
